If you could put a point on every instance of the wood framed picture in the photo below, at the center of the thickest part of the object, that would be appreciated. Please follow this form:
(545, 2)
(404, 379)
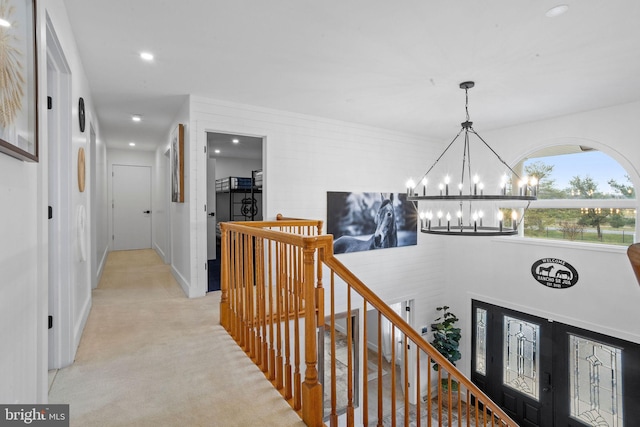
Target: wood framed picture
(18, 82)
(177, 164)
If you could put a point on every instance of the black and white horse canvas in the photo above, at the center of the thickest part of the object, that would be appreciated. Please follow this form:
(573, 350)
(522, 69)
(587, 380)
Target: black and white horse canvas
(365, 221)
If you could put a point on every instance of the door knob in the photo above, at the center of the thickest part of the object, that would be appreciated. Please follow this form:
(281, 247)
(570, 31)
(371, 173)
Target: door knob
(146, 212)
(212, 214)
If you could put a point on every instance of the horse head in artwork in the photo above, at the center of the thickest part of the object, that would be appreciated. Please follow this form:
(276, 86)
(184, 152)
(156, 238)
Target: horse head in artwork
(386, 234)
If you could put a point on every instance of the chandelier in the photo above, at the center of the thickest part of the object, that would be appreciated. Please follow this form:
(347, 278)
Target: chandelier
(494, 206)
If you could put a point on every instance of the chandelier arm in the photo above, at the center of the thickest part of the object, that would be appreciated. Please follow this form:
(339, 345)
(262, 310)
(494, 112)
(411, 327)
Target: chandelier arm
(465, 150)
(443, 153)
(494, 152)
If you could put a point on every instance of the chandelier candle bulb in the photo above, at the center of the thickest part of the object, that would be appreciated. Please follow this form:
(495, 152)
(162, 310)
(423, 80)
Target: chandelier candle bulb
(441, 186)
(481, 187)
(459, 215)
(424, 186)
(421, 219)
(439, 218)
(514, 218)
(448, 222)
(475, 185)
(460, 188)
(446, 185)
(500, 218)
(480, 215)
(475, 222)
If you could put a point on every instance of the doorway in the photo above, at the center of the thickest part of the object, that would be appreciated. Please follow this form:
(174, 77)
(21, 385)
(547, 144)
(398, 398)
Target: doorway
(61, 346)
(234, 189)
(545, 373)
(131, 207)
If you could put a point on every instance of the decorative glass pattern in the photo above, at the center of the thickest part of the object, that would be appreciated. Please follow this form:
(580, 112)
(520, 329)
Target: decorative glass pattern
(521, 362)
(595, 382)
(481, 341)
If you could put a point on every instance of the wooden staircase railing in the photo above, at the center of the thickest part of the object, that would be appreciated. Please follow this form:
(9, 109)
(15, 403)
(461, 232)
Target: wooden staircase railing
(273, 304)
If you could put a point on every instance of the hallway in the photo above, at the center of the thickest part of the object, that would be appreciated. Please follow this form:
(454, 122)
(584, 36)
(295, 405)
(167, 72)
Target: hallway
(150, 356)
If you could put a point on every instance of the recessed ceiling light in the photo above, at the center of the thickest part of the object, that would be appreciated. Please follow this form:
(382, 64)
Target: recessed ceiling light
(556, 11)
(4, 23)
(216, 151)
(235, 141)
(132, 144)
(136, 118)
(146, 56)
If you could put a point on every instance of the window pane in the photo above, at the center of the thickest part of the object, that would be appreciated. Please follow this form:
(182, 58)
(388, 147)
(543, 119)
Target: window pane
(481, 341)
(521, 363)
(614, 226)
(577, 172)
(595, 382)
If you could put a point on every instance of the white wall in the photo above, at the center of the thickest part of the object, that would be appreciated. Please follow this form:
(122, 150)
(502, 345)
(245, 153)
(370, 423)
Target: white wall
(100, 214)
(231, 166)
(160, 203)
(181, 218)
(606, 296)
(24, 236)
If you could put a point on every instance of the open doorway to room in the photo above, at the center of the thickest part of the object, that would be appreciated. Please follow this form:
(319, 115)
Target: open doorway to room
(234, 189)
(386, 362)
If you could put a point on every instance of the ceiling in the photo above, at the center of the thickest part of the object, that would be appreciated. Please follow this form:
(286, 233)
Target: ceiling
(395, 65)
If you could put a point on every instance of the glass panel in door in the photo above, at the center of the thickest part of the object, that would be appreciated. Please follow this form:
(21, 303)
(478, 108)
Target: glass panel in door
(521, 363)
(595, 386)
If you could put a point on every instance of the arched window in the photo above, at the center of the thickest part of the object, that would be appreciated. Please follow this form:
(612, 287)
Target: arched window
(584, 195)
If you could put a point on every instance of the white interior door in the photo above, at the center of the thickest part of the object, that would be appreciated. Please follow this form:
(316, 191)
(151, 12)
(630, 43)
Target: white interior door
(131, 207)
(211, 208)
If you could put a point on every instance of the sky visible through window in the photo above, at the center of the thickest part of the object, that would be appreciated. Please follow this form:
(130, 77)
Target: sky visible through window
(600, 167)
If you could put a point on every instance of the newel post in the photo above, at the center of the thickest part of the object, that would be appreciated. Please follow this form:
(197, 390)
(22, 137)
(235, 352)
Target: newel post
(225, 321)
(312, 406)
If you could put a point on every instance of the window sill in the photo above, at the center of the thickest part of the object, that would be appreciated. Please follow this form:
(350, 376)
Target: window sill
(532, 241)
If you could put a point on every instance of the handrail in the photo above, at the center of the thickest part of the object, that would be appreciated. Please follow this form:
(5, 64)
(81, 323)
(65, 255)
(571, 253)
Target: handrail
(273, 299)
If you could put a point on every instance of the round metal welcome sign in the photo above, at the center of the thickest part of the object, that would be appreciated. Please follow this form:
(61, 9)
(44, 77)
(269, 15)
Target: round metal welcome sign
(554, 273)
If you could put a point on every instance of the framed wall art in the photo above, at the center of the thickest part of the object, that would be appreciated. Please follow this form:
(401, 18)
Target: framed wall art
(177, 164)
(366, 221)
(18, 82)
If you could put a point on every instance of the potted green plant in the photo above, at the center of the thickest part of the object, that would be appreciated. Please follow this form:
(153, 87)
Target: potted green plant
(446, 339)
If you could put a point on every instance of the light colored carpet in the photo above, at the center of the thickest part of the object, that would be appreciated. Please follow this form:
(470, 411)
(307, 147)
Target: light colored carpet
(149, 356)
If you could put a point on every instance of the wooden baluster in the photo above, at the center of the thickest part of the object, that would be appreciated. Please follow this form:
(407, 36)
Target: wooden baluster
(439, 388)
(418, 396)
(405, 349)
(311, 389)
(429, 386)
(297, 281)
(332, 325)
(380, 404)
(224, 279)
(449, 393)
(393, 375)
(468, 397)
(287, 321)
(261, 343)
(250, 292)
(238, 286)
(280, 315)
(272, 316)
(350, 412)
(365, 369)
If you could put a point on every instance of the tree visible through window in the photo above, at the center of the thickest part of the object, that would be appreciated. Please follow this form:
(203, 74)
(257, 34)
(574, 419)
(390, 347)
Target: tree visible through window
(583, 195)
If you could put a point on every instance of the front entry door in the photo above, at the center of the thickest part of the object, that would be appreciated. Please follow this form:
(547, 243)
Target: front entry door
(515, 367)
(545, 373)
